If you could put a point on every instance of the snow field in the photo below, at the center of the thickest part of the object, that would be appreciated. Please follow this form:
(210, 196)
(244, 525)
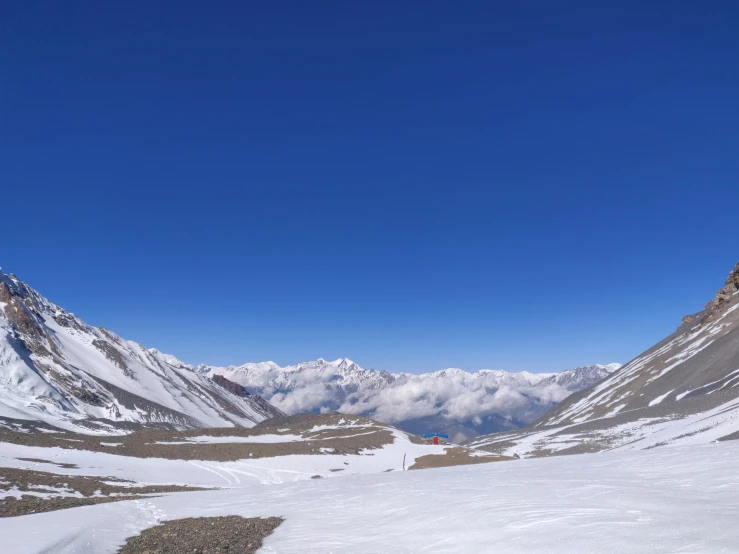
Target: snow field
(681, 499)
(247, 472)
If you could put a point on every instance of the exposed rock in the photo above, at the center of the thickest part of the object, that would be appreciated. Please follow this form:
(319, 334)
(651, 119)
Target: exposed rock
(23, 321)
(204, 535)
(4, 292)
(687, 319)
(726, 292)
(230, 385)
(113, 355)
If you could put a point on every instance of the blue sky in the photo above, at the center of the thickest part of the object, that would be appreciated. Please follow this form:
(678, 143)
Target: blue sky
(413, 185)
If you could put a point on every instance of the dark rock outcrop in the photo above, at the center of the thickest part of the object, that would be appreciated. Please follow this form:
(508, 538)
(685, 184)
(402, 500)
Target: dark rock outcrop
(726, 292)
(229, 385)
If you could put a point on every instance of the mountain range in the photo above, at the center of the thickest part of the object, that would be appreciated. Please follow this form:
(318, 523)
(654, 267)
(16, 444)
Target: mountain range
(454, 401)
(57, 369)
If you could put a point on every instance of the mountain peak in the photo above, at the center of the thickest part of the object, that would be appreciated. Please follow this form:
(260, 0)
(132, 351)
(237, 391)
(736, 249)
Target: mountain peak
(345, 362)
(168, 358)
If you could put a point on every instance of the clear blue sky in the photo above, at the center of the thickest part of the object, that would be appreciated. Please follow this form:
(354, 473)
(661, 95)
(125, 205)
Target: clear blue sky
(413, 185)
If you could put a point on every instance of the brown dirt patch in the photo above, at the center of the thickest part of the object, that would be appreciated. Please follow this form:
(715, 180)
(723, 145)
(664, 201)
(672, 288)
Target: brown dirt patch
(365, 434)
(203, 535)
(13, 507)
(92, 489)
(454, 456)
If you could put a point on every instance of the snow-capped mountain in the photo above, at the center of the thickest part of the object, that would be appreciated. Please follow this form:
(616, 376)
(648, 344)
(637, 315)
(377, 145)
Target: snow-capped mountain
(462, 403)
(57, 369)
(683, 390)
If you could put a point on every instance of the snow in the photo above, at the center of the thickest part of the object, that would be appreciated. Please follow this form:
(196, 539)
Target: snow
(254, 439)
(312, 434)
(42, 387)
(524, 443)
(656, 364)
(641, 434)
(454, 394)
(660, 398)
(257, 471)
(658, 501)
(86, 354)
(43, 492)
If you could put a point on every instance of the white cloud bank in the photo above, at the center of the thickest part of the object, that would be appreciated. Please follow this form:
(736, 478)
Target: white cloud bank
(453, 394)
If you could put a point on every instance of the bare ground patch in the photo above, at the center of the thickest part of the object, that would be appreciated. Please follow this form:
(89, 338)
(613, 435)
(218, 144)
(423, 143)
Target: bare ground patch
(43, 492)
(203, 535)
(26, 505)
(454, 456)
(351, 435)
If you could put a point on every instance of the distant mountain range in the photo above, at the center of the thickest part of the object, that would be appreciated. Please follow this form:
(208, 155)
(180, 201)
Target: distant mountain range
(56, 368)
(451, 400)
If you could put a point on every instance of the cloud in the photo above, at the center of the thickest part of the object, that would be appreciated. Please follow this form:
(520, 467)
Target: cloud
(454, 395)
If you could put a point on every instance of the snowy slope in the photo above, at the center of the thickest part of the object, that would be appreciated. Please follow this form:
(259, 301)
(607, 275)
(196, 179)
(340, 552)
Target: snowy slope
(464, 404)
(658, 501)
(56, 368)
(683, 390)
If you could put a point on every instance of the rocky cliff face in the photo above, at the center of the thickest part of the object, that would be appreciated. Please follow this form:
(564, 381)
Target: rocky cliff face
(57, 369)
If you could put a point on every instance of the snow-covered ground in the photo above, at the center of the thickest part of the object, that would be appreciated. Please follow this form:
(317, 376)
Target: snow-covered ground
(241, 473)
(682, 499)
(640, 434)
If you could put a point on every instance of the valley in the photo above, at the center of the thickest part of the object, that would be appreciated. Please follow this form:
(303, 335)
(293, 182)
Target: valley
(194, 449)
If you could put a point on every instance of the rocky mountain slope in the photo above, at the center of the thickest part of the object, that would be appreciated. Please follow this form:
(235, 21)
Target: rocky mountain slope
(57, 369)
(685, 389)
(451, 400)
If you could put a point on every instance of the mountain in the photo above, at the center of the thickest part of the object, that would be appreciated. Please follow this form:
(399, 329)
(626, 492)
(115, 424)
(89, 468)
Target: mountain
(685, 389)
(451, 400)
(57, 369)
